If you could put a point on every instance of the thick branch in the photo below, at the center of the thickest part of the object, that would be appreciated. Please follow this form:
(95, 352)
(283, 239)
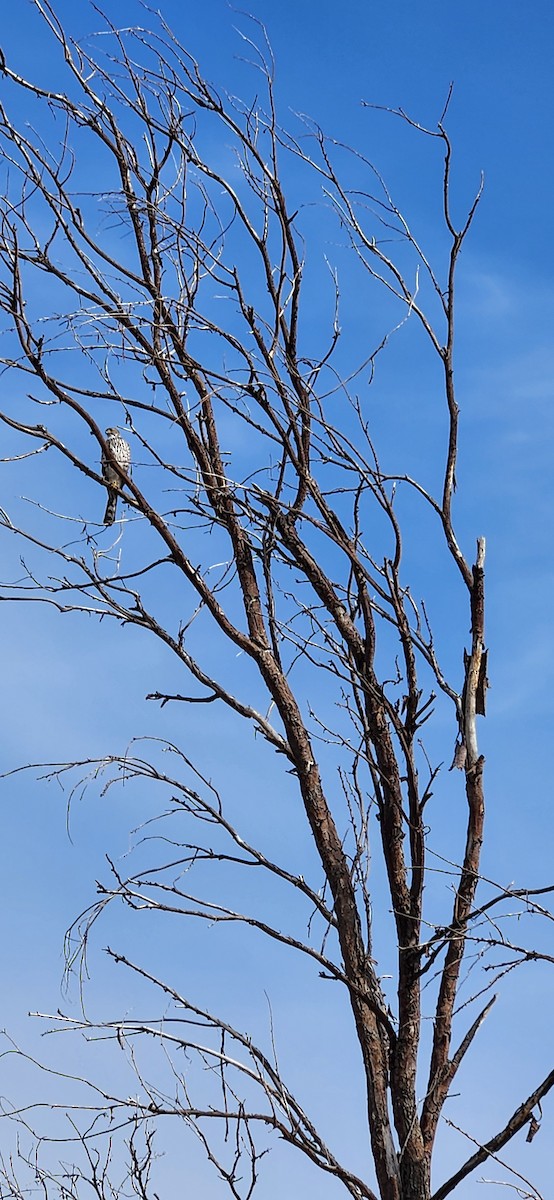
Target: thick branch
(520, 1118)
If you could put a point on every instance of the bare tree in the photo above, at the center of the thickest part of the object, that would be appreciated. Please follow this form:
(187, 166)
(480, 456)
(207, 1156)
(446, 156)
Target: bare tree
(160, 264)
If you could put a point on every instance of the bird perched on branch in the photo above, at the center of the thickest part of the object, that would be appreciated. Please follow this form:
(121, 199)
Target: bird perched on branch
(117, 453)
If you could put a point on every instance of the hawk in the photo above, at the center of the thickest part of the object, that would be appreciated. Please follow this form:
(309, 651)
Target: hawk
(117, 451)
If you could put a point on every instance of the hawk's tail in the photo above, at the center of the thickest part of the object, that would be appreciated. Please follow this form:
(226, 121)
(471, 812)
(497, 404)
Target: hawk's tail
(109, 515)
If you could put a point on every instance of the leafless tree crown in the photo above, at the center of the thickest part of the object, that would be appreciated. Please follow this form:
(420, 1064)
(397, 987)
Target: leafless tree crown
(175, 265)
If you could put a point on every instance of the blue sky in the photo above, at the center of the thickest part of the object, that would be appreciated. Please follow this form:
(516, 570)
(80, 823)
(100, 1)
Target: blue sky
(63, 699)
